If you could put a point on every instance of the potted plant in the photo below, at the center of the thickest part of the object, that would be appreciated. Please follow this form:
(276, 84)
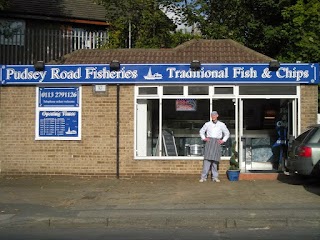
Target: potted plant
(233, 172)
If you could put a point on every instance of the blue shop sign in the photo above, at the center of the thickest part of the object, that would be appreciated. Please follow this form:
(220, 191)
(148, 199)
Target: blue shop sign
(58, 97)
(296, 73)
(58, 124)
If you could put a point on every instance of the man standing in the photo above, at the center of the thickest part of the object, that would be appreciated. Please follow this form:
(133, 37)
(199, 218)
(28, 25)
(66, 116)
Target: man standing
(214, 133)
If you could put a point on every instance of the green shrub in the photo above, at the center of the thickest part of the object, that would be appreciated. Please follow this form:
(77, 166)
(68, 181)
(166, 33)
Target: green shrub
(234, 164)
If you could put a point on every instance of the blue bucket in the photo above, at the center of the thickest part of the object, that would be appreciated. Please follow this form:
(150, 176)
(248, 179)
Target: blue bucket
(233, 175)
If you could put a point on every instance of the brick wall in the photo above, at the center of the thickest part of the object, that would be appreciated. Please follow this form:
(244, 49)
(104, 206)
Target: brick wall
(309, 105)
(94, 155)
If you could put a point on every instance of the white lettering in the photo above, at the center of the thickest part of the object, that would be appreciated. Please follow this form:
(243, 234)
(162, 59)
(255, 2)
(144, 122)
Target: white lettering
(56, 73)
(104, 73)
(171, 72)
(174, 73)
(285, 72)
(11, 73)
(51, 114)
(239, 72)
(69, 114)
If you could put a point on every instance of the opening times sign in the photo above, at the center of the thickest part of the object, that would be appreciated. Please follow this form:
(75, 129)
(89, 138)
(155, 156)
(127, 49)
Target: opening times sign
(58, 113)
(58, 123)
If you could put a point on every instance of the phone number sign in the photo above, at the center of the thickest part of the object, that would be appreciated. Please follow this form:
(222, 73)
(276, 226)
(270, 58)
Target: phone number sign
(59, 97)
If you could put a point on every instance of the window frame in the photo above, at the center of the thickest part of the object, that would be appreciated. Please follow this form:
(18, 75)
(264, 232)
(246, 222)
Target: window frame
(210, 96)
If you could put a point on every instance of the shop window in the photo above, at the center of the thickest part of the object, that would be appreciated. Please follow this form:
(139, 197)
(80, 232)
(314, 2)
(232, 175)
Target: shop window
(267, 90)
(173, 90)
(223, 90)
(170, 127)
(148, 90)
(198, 90)
(226, 110)
(261, 114)
(184, 124)
(147, 127)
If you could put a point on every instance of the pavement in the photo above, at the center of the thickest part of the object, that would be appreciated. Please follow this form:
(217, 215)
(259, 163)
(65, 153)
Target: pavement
(169, 202)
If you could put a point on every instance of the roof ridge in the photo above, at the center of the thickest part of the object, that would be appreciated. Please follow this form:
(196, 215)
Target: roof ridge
(186, 44)
(240, 45)
(204, 50)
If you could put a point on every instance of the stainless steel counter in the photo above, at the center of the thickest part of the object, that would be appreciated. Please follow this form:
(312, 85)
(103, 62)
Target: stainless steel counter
(259, 133)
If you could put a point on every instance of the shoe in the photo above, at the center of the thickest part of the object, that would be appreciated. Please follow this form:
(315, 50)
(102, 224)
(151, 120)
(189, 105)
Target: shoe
(215, 180)
(202, 180)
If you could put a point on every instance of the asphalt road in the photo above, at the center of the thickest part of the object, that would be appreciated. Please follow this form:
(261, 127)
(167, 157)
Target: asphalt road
(159, 234)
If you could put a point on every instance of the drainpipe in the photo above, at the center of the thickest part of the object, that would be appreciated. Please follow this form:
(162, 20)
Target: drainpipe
(118, 129)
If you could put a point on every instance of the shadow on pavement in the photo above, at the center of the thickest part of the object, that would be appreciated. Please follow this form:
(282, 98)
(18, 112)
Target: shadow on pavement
(311, 184)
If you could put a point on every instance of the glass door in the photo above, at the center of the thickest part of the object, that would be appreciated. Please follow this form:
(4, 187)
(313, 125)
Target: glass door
(264, 128)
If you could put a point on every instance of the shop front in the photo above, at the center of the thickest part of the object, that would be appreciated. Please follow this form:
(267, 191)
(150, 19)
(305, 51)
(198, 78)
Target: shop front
(93, 119)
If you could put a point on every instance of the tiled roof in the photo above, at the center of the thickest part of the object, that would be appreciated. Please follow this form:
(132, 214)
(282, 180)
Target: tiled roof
(76, 9)
(206, 51)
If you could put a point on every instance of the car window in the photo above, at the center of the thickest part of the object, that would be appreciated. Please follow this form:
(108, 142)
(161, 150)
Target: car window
(311, 136)
(314, 136)
(302, 136)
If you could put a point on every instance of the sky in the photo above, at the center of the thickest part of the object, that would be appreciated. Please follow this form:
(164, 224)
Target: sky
(172, 16)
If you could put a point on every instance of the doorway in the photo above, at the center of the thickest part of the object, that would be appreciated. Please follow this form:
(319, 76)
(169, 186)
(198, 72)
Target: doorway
(265, 125)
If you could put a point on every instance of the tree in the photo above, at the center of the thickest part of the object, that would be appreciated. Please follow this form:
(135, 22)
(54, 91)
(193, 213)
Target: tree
(302, 28)
(138, 23)
(264, 23)
(152, 29)
(287, 30)
(179, 37)
(255, 23)
(284, 29)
